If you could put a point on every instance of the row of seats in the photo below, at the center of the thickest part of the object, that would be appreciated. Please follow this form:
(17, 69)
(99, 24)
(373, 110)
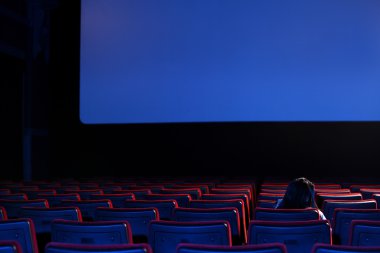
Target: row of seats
(239, 219)
(14, 247)
(139, 202)
(164, 236)
(139, 218)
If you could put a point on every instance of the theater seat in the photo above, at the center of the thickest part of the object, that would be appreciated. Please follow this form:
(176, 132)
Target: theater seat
(91, 232)
(327, 248)
(165, 207)
(22, 230)
(321, 197)
(10, 246)
(343, 218)
(330, 205)
(164, 236)
(43, 217)
(138, 218)
(117, 199)
(271, 214)
(181, 198)
(230, 214)
(261, 248)
(55, 200)
(13, 207)
(237, 203)
(88, 207)
(14, 196)
(298, 236)
(55, 247)
(364, 233)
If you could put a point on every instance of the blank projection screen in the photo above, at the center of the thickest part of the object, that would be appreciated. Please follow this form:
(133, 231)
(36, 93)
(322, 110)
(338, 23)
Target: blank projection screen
(174, 61)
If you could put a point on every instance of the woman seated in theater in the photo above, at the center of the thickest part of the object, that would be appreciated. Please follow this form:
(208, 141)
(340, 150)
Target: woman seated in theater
(299, 194)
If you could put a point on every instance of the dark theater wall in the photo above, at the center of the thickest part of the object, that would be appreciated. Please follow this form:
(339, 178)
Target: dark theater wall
(11, 126)
(325, 149)
(12, 68)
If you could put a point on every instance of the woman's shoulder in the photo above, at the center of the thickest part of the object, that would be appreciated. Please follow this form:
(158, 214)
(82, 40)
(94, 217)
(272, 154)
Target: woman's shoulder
(278, 203)
(321, 214)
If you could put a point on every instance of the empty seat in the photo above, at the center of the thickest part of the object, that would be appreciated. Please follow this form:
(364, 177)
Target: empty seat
(327, 185)
(364, 233)
(91, 232)
(194, 192)
(88, 207)
(266, 203)
(34, 194)
(88, 185)
(298, 236)
(19, 189)
(329, 206)
(85, 193)
(205, 188)
(164, 236)
(376, 197)
(56, 247)
(182, 199)
(271, 214)
(110, 188)
(10, 246)
(139, 193)
(117, 199)
(13, 207)
(261, 248)
(152, 188)
(357, 187)
(243, 196)
(42, 218)
(367, 193)
(327, 248)
(327, 190)
(48, 185)
(227, 190)
(205, 185)
(165, 206)
(138, 218)
(22, 231)
(321, 197)
(343, 218)
(275, 191)
(64, 188)
(236, 185)
(273, 186)
(55, 200)
(237, 203)
(230, 214)
(15, 196)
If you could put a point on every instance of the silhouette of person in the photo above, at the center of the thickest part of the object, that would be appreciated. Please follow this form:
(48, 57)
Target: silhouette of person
(299, 195)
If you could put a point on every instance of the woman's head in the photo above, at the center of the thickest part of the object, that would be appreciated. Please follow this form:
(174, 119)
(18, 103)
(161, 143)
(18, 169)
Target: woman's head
(299, 194)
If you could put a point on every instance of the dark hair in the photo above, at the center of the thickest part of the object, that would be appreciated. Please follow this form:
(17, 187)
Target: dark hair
(299, 194)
